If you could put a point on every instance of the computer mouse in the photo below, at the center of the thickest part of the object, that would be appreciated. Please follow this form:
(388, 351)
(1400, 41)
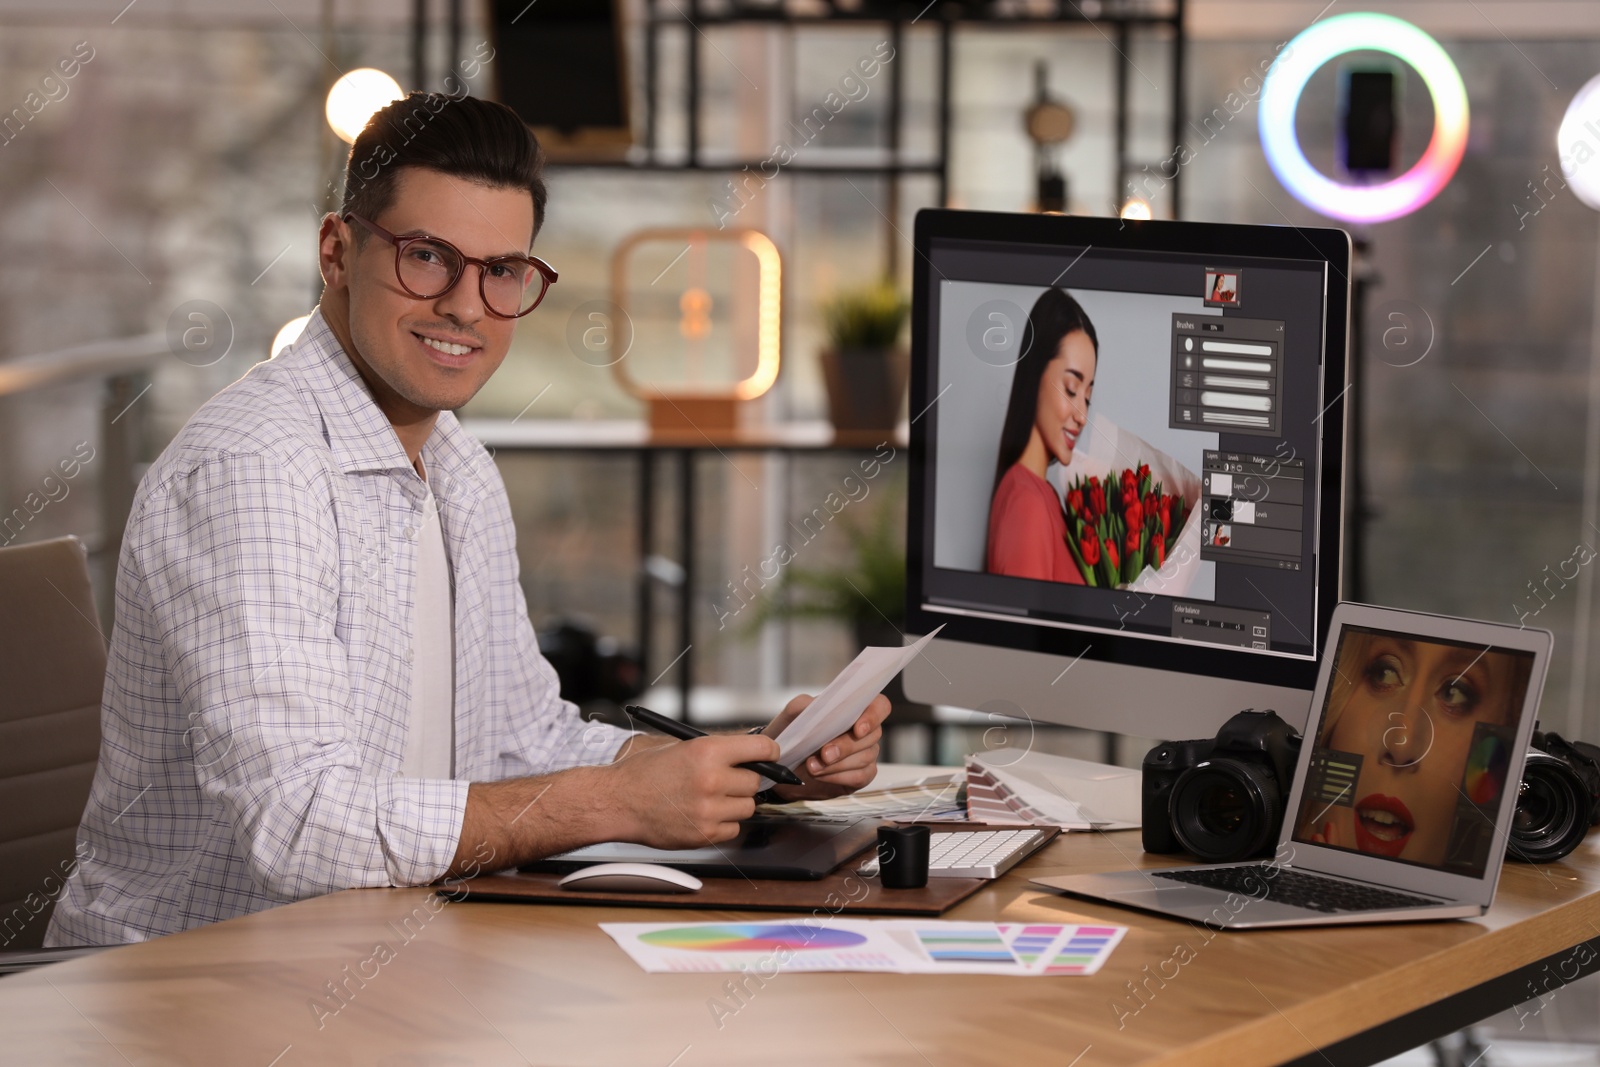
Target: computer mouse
(631, 878)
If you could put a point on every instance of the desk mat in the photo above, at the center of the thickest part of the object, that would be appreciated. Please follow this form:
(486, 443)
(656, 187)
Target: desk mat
(841, 893)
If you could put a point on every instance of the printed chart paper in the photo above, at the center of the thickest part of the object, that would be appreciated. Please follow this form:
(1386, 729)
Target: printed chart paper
(898, 946)
(838, 706)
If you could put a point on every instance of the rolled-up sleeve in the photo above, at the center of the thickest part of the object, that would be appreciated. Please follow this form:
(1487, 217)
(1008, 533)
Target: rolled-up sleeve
(239, 558)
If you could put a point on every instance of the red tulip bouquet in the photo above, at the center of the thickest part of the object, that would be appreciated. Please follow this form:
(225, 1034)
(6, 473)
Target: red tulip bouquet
(1116, 530)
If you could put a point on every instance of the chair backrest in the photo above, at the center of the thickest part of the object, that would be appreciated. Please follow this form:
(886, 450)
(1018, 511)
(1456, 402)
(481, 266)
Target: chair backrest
(52, 670)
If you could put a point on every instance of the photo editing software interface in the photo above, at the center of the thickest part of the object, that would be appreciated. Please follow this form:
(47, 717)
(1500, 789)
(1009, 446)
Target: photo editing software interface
(1412, 748)
(1127, 441)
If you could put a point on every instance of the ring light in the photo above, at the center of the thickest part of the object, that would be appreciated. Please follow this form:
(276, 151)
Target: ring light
(1302, 58)
(1580, 125)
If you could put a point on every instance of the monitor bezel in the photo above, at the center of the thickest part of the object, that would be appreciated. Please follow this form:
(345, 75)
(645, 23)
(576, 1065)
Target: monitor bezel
(1216, 240)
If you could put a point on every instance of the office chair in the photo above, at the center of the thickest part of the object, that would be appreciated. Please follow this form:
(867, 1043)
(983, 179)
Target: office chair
(52, 668)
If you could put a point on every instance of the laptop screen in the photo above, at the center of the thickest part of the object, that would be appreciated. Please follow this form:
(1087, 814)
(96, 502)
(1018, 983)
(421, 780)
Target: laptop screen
(1412, 749)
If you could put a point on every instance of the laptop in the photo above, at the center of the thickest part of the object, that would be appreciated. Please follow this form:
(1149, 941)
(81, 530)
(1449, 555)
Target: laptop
(765, 848)
(1404, 789)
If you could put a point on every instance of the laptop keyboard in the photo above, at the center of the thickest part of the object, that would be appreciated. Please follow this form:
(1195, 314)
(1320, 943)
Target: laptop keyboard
(1297, 888)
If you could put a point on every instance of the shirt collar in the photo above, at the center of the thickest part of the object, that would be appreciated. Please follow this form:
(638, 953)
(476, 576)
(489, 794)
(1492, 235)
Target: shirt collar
(357, 431)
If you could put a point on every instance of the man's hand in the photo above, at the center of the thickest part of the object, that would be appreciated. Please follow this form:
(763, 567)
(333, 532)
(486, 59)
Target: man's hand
(687, 794)
(842, 765)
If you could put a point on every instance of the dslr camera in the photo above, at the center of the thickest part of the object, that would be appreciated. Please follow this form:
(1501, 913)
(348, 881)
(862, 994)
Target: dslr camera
(1221, 799)
(1557, 801)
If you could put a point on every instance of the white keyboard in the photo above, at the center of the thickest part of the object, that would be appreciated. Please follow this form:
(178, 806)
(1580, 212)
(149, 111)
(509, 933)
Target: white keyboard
(974, 853)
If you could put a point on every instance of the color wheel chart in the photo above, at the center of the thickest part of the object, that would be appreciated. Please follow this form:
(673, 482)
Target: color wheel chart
(752, 937)
(764, 947)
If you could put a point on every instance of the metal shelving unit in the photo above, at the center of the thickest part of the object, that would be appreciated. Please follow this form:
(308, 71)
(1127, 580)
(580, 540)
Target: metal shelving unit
(1117, 21)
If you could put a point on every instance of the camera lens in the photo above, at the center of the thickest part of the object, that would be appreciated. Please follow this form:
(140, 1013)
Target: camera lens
(1224, 810)
(1551, 817)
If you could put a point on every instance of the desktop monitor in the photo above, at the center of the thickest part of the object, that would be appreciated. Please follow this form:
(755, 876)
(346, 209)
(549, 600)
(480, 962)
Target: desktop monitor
(1125, 467)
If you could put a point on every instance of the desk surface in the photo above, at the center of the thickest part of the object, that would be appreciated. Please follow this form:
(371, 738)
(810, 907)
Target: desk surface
(604, 435)
(469, 983)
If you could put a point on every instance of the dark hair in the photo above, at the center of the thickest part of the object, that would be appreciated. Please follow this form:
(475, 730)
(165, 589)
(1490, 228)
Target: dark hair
(1054, 316)
(478, 140)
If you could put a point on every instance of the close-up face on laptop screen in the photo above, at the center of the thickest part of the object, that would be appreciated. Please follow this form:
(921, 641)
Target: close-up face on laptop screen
(1412, 749)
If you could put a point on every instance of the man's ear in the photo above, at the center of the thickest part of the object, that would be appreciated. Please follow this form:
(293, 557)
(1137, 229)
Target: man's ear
(335, 247)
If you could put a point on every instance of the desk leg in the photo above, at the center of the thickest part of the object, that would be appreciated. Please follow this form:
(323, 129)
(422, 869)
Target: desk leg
(647, 547)
(686, 594)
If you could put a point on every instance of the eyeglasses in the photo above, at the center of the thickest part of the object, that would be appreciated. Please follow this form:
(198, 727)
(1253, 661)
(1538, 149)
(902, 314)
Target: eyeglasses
(429, 267)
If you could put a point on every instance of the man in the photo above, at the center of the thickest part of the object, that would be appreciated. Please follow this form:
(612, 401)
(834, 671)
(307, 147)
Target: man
(322, 674)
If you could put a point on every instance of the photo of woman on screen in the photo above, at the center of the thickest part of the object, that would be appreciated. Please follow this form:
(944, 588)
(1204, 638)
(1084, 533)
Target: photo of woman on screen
(1047, 411)
(1413, 714)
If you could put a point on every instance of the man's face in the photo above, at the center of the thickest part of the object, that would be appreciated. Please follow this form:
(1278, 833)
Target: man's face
(411, 350)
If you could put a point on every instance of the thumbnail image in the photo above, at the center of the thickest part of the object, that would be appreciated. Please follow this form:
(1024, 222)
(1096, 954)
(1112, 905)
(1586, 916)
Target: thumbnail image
(1222, 287)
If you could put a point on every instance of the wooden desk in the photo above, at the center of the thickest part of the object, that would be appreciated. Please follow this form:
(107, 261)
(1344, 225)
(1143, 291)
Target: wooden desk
(510, 984)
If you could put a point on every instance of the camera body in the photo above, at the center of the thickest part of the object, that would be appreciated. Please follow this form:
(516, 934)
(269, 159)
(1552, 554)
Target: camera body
(1221, 799)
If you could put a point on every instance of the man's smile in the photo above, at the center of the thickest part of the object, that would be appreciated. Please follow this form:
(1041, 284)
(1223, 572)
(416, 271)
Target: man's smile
(447, 350)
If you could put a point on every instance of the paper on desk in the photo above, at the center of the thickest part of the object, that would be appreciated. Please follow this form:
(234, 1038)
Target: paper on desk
(896, 946)
(937, 799)
(836, 709)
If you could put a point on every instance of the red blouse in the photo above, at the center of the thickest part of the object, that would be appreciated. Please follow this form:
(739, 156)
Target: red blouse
(1027, 532)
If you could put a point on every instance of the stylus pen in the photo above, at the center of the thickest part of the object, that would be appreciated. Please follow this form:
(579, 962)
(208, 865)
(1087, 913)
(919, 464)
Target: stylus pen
(684, 732)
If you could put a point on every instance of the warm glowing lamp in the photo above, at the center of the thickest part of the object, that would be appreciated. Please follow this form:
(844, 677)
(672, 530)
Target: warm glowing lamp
(356, 97)
(698, 406)
(1578, 143)
(288, 333)
(1135, 208)
(1334, 37)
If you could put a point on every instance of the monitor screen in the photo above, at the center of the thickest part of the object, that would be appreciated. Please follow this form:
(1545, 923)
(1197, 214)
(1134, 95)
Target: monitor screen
(1127, 441)
(1411, 749)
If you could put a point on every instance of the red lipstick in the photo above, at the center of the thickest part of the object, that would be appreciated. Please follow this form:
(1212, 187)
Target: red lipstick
(1383, 825)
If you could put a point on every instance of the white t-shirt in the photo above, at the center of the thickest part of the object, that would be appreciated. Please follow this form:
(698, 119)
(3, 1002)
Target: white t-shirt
(430, 742)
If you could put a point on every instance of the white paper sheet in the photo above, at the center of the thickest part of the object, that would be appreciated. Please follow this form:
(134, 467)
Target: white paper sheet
(838, 706)
(899, 946)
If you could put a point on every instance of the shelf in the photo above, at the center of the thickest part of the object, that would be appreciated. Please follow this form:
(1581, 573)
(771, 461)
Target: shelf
(910, 13)
(607, 435)
(715, 166)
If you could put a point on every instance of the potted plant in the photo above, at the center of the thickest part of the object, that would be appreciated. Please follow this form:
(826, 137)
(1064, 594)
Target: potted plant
(868, 593)
(864, 367)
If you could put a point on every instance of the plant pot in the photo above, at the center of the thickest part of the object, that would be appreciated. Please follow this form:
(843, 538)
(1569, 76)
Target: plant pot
(865, 386)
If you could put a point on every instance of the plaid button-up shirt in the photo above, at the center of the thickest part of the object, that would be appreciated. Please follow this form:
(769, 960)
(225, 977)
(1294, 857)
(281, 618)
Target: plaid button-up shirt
(257, 692)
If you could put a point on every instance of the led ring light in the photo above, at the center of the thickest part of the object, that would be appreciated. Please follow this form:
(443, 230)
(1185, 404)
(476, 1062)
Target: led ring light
(1303, 57)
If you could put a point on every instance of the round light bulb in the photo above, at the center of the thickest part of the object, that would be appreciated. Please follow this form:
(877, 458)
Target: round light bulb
(358, 96)
(1578, 143)
(288, 332)
(1135, 208)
